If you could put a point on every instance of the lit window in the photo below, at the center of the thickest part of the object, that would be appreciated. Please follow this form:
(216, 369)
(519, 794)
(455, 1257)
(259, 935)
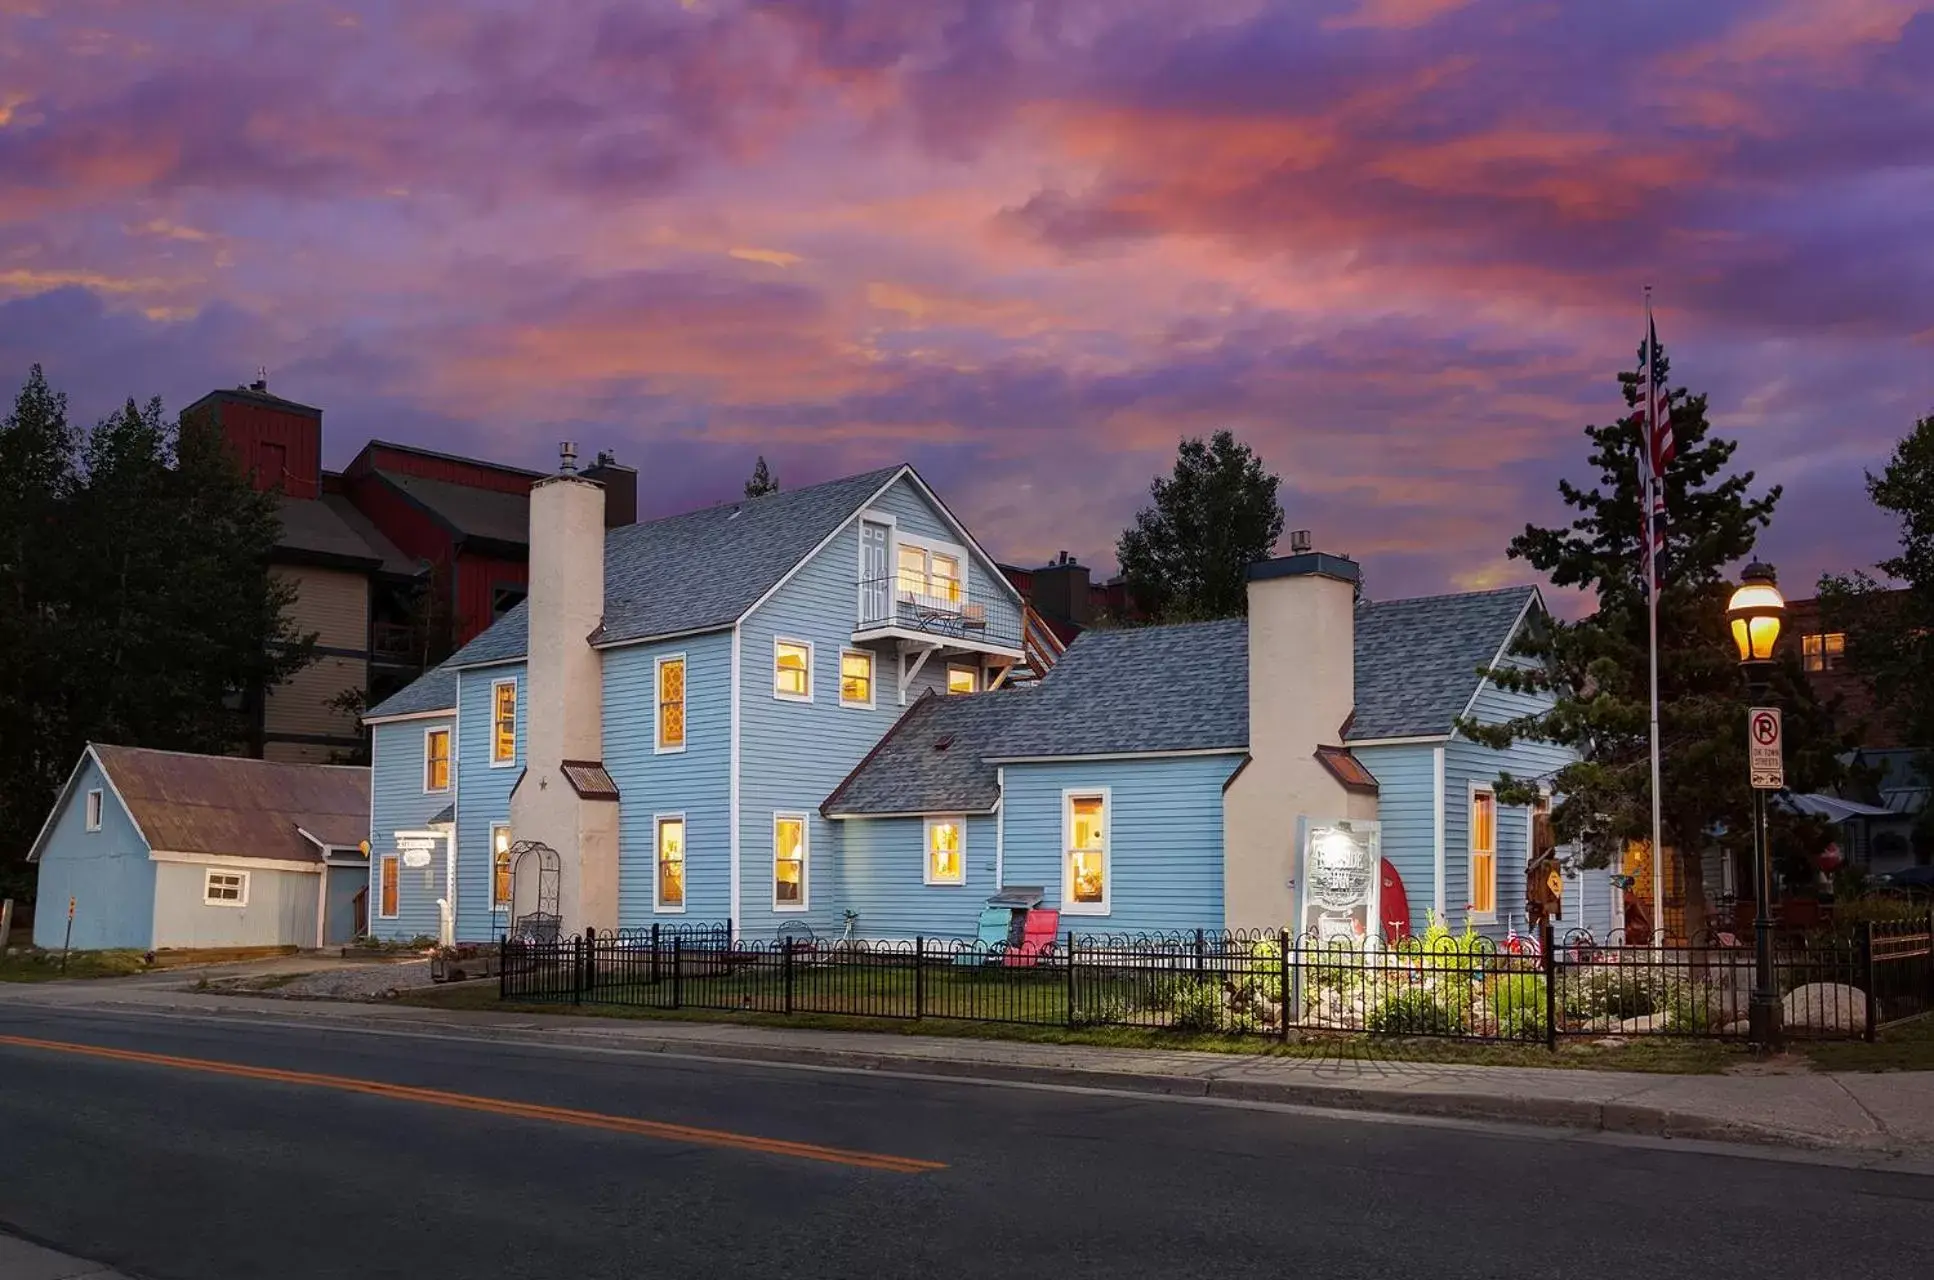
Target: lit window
(225, 889)
(671, 864)
(1823, 652)
(963, 680)
(856, 678)
(503, 733)
(932, 576)
(789, 862)
(946, 851)
(1085, 890)
(436, 760)
(500, 866)
(792, 670)
(389, 873)
(1484, 853)
(671, 704)
(94, 810)
(913, 569)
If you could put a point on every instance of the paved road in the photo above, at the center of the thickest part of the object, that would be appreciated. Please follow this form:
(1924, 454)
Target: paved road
(328, 1153)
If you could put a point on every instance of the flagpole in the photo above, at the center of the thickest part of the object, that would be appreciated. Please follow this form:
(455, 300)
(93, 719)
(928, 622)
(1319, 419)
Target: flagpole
(1652, 609)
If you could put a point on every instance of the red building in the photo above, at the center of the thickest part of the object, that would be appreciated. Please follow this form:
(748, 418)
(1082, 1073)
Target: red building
(1823, 658)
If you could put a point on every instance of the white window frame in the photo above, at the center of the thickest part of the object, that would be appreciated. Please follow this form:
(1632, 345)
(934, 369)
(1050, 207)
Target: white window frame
(658, 821)
(495, 905)
(929, 548)
(967, 667)
(383, 863)
(94, 809)
(208, 887)
(449, 765)
(658, 746)
(959, 822)
(872, 678)
(1069, 907)
(495, 685)
(780, 694)
(805, 863)
(1472, 853)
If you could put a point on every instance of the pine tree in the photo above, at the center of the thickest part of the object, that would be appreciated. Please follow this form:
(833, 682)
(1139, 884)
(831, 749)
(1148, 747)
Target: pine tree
(762, 481)
(1187, 557)
(1596, 668)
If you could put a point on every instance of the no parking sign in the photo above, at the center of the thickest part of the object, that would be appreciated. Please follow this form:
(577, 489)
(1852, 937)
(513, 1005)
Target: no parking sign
(1764, 743)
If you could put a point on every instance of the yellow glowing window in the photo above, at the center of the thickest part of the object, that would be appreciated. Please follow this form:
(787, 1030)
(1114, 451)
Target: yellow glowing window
(503, 734)
(792, 669)
(932, 576)
(389, 874)
(1484, 847)
(856, 677)
(1088, 850)
(913, 569)
(946, 851)
(500, 866)
(962, 680)
(671, 863)
(436, 760)
(671, 703)
(1823, 652)
(789, 861)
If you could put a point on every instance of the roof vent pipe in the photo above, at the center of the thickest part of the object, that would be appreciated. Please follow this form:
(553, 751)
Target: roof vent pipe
(1299, 542)
(567, 458)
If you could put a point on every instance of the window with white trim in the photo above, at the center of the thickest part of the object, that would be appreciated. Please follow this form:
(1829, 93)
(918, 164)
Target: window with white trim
(669, 881)
(946, 851)
(503, 723)
(791, 841)
(855, 678)
(1484, 853)
(389, 877)
(225, 889)
(930, 574)
(94, 810)
(500, 866)
(436, 760)
(792, 670)
(963, 680)
(1084, 885)
(671, 703)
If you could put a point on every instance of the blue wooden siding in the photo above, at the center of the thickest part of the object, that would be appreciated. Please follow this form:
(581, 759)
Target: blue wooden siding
(1406, 806)
(792, 754)
(339, 918)
(399, 803)
(106, 872)
(1165, 828)
(882, 867)
(483, 794)
(695, 781)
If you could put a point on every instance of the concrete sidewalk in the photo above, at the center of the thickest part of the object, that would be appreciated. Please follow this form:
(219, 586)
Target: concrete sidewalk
(1886, 1115)
(20, 1260)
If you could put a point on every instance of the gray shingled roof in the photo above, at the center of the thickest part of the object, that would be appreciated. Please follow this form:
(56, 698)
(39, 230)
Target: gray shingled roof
(1417, 660)
(697, 571)
(472, 512)
(911, 772)
(434, 690)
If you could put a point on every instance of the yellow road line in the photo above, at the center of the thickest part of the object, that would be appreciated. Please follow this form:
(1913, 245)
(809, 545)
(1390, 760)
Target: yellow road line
(500, 1107)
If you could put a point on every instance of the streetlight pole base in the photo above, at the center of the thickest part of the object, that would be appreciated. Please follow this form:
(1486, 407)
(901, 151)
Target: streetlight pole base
(1766, 1022)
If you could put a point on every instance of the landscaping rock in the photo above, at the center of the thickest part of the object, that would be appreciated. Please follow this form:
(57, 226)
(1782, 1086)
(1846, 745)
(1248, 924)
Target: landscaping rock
(1651, 1022)
(1826, 1006)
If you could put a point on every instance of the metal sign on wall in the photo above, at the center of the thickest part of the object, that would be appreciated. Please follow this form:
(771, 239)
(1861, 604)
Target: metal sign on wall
(1765, 743)
(417, 851)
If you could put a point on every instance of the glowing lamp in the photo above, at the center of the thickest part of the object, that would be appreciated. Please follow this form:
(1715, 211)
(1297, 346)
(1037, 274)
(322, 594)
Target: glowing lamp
(1755, 612)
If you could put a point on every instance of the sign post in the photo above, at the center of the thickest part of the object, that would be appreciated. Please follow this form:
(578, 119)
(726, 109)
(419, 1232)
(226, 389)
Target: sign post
(1765, 746)
(68, 938)
(1765, 760)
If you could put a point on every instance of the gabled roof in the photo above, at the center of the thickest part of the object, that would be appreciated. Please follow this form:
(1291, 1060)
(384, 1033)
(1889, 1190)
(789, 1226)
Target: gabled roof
(934, 758)
(1417, 661)
(230, 807)
(434, 690)
(699, 571)
(466, 510)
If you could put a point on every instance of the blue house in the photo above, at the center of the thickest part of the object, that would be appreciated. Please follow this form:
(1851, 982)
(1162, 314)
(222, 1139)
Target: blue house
(813, 710)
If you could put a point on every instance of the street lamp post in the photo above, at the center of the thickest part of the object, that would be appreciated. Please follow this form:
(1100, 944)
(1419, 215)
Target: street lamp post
(1755, 614)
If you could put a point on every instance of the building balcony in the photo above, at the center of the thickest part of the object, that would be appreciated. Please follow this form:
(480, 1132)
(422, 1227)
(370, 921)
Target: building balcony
(932, 615)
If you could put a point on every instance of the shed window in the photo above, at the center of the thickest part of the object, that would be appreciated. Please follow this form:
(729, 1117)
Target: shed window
(225, 889)
(94, 810)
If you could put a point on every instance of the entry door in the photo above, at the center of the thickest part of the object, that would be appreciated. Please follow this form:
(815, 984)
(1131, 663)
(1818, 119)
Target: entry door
(876, 585)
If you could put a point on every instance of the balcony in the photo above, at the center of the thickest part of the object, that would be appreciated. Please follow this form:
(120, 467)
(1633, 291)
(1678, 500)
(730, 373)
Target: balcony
(930, 614)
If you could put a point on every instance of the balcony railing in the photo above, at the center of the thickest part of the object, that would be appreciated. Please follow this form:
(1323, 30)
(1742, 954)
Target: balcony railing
(892, 602)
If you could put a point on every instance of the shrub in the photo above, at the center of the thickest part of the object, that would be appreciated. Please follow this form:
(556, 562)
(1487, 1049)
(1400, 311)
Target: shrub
(1416, 1012)
(1517, 1001)
(1607, 992)
(1198, 1007)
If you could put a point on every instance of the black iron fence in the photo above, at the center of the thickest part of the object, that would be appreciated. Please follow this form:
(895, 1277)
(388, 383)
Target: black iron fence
(1274, 983)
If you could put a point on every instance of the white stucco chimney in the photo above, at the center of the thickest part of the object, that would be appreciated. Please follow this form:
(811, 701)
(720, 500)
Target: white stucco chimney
(573, 810)
(1302, 688)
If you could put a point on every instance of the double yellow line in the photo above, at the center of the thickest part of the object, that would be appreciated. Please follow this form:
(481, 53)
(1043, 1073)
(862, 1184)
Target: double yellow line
(498, 1107)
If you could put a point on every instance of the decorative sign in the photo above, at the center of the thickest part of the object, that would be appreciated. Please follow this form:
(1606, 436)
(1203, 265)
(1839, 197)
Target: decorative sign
(1764, 743)
(1340, 880)
(417, 851)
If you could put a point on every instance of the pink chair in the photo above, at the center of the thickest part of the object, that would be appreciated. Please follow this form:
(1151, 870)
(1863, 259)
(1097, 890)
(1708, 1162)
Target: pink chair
(1037, 936)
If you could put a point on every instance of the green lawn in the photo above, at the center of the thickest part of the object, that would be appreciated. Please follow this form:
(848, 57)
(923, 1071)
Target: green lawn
(1908, 1047)
(32, 965)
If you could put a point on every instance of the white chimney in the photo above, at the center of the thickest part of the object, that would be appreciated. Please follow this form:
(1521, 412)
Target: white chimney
(571, 811)
(1302, 688)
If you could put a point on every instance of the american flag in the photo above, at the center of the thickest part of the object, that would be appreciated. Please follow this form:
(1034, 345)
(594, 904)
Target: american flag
(1655, 433)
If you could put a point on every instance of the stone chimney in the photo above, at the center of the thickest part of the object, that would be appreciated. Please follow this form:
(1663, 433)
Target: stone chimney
(1302, 688)
(564, 798)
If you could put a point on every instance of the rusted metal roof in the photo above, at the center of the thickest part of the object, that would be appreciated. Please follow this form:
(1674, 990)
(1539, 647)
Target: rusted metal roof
(238, 808)
(589, 779)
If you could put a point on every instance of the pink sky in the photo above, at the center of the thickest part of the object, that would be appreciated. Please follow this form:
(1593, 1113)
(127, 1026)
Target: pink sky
(1396, 245)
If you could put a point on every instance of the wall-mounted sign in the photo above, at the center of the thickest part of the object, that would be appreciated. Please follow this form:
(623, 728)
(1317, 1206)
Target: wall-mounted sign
(417, 851)
(1340, 862)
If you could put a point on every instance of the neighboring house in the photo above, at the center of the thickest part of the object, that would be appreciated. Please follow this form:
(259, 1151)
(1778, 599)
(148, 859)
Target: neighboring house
(741, 714)
(162, 849)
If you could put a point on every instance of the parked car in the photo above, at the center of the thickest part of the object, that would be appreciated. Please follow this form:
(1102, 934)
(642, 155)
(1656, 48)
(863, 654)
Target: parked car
(1914, 880)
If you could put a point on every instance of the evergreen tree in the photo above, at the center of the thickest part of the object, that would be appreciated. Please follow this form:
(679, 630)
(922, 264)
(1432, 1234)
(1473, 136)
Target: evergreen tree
(1187, 557)
(1596, 668)
(762, 481)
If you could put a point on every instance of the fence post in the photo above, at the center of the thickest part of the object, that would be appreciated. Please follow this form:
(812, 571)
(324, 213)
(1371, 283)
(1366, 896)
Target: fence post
(654, 953)
(1282, 976)
(1867, 980)
(577, 969)
(678, 966)
(1071, 977)
(919, 975)
(1199, 948)
(786, 968)
(590, 957)
(1547, 947)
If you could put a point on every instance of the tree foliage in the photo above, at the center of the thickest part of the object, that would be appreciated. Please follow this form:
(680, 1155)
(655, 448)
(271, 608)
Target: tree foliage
(138, 558)
(762, 481)
(1595, 673)
(1187, 556)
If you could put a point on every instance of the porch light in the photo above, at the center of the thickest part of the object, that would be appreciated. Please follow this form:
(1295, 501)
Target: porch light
(1755, 612)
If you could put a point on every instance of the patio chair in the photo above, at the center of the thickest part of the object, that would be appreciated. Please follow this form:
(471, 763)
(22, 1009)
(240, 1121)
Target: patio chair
(1037, 939)
(991, 937)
